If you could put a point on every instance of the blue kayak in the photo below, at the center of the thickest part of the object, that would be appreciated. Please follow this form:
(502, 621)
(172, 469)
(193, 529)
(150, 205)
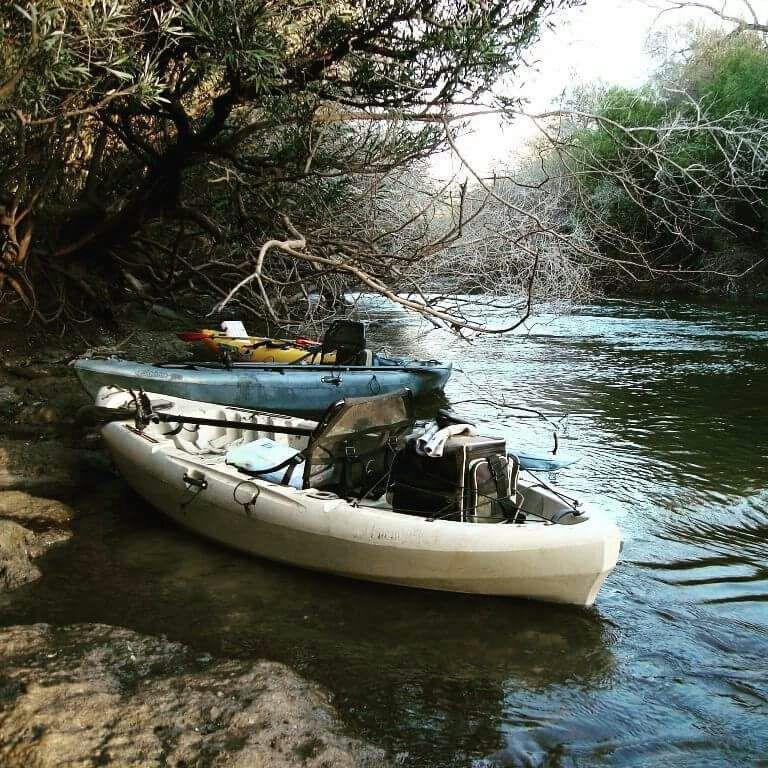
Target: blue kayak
(300, 390)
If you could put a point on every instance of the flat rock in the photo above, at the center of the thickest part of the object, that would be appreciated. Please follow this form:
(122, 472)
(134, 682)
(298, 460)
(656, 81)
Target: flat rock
(92, 694)
(25, 509)
(46, 520)
(16, 566)
(29, 527)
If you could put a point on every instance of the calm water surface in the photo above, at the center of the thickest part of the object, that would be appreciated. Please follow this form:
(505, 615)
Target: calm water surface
(668, 408)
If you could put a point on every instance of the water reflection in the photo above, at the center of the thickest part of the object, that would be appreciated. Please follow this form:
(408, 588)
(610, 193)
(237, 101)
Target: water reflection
(426, 673)
(731, 540)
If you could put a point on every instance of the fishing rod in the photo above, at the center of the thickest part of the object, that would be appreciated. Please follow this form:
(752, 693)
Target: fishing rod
(146, 415)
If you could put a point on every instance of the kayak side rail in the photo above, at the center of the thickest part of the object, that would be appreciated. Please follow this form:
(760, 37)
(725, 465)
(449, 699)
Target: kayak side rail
(409, 367)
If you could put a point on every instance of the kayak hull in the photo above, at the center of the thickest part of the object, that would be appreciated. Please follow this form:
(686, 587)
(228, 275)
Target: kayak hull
(289, 389)
(368, 541)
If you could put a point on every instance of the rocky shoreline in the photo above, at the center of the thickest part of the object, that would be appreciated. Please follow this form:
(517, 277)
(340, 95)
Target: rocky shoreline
(91, 694)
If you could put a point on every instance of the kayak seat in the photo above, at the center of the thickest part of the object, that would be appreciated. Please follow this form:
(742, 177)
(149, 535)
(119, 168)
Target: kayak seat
(347, 339)
(352, 450)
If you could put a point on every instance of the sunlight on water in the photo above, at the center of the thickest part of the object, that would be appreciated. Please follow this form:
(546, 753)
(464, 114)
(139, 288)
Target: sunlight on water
(666, 407)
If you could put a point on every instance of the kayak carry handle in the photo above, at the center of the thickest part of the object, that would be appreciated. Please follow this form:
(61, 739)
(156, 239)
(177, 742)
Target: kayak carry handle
(195, 481)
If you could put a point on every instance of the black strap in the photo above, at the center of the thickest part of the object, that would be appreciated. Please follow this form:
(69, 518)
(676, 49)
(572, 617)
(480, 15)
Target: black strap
(291, 462)
(499, 468)
(289, 472)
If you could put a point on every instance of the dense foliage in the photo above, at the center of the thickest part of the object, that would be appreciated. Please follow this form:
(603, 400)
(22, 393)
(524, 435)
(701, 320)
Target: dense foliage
(676, 172)
(159, 142)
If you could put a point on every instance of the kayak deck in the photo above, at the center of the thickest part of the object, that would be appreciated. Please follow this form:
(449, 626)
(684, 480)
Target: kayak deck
(316, 529)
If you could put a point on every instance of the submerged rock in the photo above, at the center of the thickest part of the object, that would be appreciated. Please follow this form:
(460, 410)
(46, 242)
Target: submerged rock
(99, 695)
(49, 467)
(9, 402)
(61, 393)
(8, 397)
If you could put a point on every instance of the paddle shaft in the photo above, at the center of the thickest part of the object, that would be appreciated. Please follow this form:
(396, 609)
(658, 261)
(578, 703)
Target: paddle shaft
(176, 419)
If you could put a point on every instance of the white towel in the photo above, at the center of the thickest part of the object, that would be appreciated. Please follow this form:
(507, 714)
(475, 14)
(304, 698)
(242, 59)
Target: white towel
(432, 442)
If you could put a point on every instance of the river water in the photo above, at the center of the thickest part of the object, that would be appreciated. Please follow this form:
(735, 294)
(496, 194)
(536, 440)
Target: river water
(667, 406)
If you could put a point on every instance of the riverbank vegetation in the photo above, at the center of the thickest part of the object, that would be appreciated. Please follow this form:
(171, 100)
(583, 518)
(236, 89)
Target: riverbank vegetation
(661, 188)
(168, 151)
(669, 181)
(266, 159)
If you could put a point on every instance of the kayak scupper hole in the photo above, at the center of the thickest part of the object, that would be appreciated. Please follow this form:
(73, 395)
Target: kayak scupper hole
(315, 494)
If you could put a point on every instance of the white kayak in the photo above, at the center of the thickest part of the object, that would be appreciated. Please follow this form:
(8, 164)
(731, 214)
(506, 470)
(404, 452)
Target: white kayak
(182, 470)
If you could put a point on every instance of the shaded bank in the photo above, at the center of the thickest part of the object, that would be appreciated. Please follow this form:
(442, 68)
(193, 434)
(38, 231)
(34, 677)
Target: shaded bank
(707, 288)
(99, 694)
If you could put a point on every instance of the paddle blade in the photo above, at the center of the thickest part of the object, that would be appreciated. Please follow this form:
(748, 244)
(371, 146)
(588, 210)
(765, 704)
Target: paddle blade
(545, 462)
